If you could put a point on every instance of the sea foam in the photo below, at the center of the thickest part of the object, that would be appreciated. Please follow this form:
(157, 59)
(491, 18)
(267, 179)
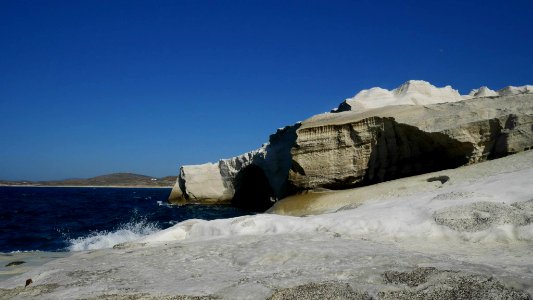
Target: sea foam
(128, 232)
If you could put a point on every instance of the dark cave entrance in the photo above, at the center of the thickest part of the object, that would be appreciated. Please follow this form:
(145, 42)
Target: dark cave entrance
(252, 189)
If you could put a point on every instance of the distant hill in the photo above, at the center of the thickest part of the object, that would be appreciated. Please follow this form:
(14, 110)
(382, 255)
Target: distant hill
(115, 179)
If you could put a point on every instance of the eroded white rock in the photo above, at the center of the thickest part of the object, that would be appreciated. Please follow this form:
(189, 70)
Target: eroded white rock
(482, 92)
(412, 92)
(419, 92)
(216, 182)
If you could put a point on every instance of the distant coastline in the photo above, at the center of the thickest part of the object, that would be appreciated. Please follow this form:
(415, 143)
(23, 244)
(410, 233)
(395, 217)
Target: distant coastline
(115, 180)
(91, 186)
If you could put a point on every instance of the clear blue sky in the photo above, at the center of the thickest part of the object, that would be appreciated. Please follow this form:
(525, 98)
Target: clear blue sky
(94, 87)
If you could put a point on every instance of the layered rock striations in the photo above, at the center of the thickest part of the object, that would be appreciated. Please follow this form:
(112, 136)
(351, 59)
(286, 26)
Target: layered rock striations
(370, 150)
(342, 150)
(375, 136)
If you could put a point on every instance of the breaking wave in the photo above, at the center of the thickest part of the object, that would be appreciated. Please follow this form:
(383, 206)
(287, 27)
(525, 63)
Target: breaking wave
(128, 232)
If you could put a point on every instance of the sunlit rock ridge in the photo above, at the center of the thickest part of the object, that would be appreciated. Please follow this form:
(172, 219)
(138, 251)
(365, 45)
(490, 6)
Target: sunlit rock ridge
(375, 136)
(419, 92)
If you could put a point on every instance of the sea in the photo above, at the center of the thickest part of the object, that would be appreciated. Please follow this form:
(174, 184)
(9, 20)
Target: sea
(63, 219)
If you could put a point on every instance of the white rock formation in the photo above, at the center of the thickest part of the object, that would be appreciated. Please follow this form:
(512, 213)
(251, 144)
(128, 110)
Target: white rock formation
(516, 90)
(204, 182)
(212, 182)
(216, 182)
(419, 92)
(413, 92)
(482, 92)
(376, 135)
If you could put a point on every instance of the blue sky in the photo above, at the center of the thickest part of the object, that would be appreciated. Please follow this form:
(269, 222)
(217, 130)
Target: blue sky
(94, 87)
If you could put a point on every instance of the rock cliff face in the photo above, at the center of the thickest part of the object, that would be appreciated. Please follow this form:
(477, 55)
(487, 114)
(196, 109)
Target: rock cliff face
(370, 150)
(377, 135)
(357, 148)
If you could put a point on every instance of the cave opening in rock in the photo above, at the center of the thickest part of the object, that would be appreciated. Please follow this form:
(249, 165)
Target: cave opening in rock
(252, 189)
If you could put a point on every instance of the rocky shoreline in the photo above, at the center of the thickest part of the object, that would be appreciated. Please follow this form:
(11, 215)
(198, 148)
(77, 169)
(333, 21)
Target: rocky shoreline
(388, 246)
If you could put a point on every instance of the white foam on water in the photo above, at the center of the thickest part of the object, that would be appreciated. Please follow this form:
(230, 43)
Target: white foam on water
(161, 203)
(23, 251)
(107, 239)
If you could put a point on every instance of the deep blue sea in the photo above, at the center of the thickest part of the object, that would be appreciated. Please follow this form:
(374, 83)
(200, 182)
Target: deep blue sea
(72, 219)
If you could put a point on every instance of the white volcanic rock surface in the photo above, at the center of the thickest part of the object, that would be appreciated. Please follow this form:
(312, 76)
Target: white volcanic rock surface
(367, 244)
(419, 92)
(483, 92)
(414, 92)
(516, 90)
(204, 181)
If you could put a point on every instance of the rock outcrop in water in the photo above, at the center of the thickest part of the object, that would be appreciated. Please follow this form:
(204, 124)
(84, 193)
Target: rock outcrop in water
(377, 135)
(260, 175)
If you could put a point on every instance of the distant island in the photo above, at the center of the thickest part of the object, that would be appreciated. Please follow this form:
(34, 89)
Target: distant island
(109, 180)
